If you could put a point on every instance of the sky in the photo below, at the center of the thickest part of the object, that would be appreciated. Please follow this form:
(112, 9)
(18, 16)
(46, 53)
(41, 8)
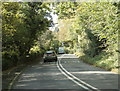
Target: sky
(55, 19)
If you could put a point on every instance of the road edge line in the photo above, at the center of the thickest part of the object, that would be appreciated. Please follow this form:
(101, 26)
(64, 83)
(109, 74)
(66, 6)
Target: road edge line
(72, 76)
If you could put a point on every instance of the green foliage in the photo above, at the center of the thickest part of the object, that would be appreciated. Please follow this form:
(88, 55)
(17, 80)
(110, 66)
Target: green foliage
(45, 40)
(55, 45)
(66, 9)
(22, 24)
(64, 33)
(101, 19)
(103, 60)
(94, 29)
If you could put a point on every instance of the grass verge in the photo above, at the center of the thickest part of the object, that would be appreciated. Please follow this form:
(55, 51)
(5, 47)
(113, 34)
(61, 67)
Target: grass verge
(103, 60)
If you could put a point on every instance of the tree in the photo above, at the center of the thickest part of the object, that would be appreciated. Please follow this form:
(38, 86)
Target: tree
(22, 24)
(94, 30)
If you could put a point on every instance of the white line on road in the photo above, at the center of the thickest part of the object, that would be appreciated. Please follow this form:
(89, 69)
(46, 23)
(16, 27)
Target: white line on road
(71, 78)
(63, 70)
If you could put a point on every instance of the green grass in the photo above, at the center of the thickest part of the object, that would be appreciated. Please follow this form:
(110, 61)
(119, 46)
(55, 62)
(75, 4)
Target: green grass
(104, 60)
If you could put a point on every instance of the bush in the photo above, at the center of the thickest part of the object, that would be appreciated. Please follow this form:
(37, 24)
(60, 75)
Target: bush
(7, 63)
(103, 60)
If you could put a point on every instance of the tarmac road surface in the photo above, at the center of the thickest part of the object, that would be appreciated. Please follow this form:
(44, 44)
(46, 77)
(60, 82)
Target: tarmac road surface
(68, 73)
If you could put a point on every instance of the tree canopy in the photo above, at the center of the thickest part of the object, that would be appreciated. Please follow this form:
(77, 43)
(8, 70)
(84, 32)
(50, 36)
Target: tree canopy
(88, 29)
(94, 28)
(22, 24)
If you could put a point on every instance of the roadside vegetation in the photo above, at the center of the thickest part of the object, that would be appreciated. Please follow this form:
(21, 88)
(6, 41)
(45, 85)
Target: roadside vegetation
(89, 30)
(92, 31)
(22, 25)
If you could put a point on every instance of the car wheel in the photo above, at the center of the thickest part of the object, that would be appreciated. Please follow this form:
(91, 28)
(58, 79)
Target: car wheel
(45, 61)
(56, 59)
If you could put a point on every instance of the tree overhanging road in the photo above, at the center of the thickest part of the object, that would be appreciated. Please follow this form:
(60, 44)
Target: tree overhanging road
(67, 73)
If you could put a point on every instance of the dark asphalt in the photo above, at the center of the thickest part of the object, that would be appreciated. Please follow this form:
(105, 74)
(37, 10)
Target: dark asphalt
(94, 76)
(48, 76)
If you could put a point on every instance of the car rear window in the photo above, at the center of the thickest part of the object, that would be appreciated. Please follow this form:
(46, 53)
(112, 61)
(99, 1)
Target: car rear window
(49, 52)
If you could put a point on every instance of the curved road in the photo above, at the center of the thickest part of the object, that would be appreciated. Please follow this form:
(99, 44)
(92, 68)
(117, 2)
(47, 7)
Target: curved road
(67, 73)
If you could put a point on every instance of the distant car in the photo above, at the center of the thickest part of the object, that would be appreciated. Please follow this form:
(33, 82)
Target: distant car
(61, 50)
(50, 56)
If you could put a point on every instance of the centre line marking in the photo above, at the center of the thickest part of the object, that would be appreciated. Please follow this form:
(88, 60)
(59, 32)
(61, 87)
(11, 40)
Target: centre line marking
(73, 78)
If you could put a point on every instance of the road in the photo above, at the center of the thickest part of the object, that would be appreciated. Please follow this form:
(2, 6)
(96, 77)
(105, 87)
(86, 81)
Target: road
(68, 73)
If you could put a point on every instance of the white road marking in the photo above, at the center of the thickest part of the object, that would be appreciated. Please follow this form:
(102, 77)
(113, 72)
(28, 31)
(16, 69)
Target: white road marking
(73, 77)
